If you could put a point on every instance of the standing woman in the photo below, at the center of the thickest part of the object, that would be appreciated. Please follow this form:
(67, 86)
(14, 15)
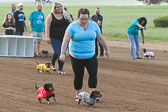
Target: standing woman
(133, 35)
(56, 24)
(9, 25)
(82, 34)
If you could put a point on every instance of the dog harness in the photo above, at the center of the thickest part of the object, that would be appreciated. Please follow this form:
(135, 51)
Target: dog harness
(41, 93)
(149, 54)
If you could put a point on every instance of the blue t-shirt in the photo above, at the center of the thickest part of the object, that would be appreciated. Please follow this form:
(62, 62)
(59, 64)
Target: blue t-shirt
(133, 28)
(37, 19)
(82, 43)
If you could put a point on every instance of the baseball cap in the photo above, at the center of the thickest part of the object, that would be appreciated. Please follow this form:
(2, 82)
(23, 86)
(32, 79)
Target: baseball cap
(20, 4)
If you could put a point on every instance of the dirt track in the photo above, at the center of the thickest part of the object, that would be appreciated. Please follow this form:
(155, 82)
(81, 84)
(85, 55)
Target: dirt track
(127, 85)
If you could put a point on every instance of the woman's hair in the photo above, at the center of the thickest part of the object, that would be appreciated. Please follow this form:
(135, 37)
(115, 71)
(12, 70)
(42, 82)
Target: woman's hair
(83, 11)
(6, 20)
(142, 19)
(54, 7)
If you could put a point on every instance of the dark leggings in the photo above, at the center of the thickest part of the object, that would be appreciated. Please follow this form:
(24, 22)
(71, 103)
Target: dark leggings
(56, 45)
(78, 66)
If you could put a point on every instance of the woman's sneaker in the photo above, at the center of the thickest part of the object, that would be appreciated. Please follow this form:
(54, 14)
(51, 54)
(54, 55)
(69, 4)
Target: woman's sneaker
(62, 72)
(53, 67)
(138, 58)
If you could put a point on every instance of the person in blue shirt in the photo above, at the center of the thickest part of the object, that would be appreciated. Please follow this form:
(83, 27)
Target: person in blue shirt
(82, 34)
(98, 18)
(133, 35)
(36, 24)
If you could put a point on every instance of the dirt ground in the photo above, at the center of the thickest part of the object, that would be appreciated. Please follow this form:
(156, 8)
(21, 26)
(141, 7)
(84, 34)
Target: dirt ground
(127, 85)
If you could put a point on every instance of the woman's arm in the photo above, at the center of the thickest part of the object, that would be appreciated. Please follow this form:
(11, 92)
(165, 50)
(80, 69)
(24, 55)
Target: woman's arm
(140, 26)
(25, 26)
(47, 29)
(30, 26)
(6, 28)
(67, 16)
(104, 44)
(65, 42)
(142, 33)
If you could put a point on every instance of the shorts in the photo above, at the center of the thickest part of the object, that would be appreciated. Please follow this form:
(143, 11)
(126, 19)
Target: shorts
(39, 36)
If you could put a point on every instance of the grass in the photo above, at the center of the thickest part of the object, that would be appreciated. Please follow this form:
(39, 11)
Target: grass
(116, 19)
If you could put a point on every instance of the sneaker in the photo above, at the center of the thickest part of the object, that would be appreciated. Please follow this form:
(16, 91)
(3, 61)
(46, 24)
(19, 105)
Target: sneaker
(62, 72)
(53, 67)
(76, 98)
(101, 55)
(133, 57)
(138, 58)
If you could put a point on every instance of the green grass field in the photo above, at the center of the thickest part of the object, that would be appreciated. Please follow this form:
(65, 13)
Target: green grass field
(116, 18)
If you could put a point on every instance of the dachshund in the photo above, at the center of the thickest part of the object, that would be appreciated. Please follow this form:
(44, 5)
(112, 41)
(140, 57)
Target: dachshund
(89, 99)
(148, 54)
(45, 53)
(47, 91)
(43, 68)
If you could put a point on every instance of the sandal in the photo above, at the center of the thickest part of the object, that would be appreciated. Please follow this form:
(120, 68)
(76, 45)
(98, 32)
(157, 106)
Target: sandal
(62, 72)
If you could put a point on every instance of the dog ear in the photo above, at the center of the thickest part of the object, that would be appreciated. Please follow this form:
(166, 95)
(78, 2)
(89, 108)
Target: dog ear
(92, 94)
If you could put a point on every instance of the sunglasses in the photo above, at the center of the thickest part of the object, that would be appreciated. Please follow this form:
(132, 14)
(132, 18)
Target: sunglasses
(58, 7)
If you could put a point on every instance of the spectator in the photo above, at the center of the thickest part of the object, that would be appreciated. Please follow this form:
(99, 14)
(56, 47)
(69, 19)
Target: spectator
(20, 20)
(82, 35)
(36, 24)
(133, 35)
(9, 24)
(66, 10)
(98, 18)
(13, 9)
(56, 24)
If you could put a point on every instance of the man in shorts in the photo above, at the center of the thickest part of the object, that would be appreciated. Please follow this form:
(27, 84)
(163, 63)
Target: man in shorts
(36, 24)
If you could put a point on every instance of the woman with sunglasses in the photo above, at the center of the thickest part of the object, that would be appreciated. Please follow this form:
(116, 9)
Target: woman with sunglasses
(56, 24)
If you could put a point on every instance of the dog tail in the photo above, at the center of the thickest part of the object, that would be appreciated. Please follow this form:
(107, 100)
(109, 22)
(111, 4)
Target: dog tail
(36, 87)
(37, 62)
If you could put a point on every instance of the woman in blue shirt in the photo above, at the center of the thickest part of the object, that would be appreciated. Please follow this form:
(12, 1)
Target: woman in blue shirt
(82, 35)
(133, 35)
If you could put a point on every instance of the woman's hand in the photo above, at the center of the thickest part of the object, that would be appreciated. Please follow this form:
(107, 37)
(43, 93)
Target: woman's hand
(30, 30)
(14, 29)
(48, 40)
(107, 53)
(62, 58)
(143, 41)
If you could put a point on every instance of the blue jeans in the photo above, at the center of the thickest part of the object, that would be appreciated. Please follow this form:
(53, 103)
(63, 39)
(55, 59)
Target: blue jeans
(134, 39)
(56, 45)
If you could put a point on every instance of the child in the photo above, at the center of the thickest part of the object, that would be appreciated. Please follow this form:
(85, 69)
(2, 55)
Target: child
(9, 24)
